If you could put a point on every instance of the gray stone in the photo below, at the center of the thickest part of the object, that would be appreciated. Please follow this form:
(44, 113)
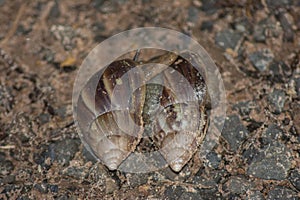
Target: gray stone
(228, 39)
(234, 132)
(63, 151)
(193, 14)
(213, 160)
(250, 153)
(236, 185)
(54, 12)
(282, 193)
(135, 180)
(261, 59)
(272, 162)
(294, 178)
(207, 25)
(76, 172)
(276, 100)
(6, 166)
(264, 26)
(279, 71)
(209, 6)
(273, 133)
(259, 34)
(244, 107)
(172, 192)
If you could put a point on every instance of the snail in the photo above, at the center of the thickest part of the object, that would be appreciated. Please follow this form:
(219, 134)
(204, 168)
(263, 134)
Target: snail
(124, 102)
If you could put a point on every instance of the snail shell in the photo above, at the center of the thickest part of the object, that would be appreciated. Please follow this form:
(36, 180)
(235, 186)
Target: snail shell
(178, 127)
(114, 122)
(116, 111)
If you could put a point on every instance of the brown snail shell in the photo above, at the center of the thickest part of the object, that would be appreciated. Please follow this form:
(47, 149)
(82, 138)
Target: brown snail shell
(114, 129)
(179, 126)
(116, 124)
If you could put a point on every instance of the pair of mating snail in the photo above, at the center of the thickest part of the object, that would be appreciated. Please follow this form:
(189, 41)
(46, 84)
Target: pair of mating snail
(162, 99)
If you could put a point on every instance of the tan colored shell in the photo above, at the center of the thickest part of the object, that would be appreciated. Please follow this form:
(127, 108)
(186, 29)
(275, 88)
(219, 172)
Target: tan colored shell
(115, 124)
(179, 126)
(114, 130)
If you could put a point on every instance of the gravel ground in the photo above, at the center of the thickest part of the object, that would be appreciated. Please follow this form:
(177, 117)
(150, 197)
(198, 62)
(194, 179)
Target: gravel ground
(254, 43)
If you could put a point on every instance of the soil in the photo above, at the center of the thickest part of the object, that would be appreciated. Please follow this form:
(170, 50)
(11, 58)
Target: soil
(254, 43)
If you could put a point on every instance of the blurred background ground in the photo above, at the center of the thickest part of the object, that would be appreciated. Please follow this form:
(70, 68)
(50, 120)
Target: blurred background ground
(255, 44)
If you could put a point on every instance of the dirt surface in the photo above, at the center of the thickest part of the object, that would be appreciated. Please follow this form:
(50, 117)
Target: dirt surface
(256, 46)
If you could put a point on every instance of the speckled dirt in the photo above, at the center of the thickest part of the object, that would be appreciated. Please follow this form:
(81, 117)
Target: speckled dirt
(255, 44)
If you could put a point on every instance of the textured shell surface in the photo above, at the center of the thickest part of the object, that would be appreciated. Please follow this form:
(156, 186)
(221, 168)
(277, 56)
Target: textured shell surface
(117, 112)
(114, 125)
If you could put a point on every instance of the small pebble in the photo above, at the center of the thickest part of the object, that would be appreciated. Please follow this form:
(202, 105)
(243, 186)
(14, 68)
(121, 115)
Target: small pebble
(276, 100)
(271, 163)
(228, 39)
(261, 59)
(234, 132)
(282, 193)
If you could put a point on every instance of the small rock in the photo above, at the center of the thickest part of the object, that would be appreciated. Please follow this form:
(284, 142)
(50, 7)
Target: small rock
(244, 107)
(280, 193)
(207, 25)
(213, 160)
(42, 188)
(63, 151)
(54, 12)
(255, 195)
(76, 172)
(276, 100)
(272, 163)
(243, 25)
(192, 14)
(98, 27)
(261, 59)
(135, 180)
(250, 153)
(236, 185)
(228, 39)
(279, 71)
(286, 26)
(234, 132)
(209, 6)
(272, 134)
(6, 167)
(53, 188)
(172, 192)
(294, 178)
(44, 118)
(265, 28)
